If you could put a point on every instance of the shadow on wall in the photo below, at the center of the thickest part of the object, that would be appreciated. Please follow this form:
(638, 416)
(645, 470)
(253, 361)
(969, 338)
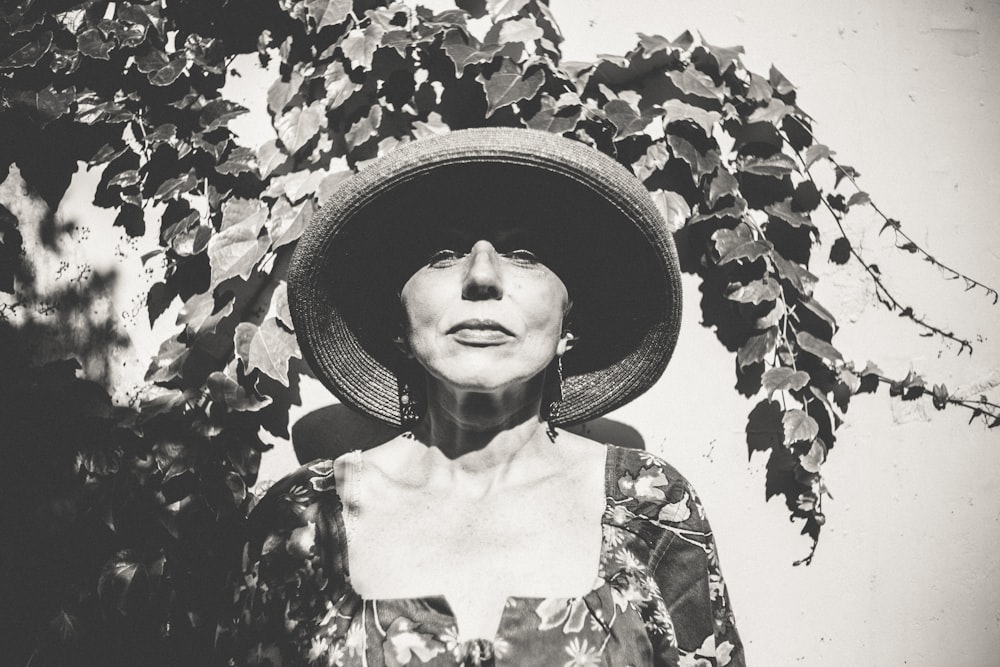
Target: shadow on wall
(59, 309)
(334, 430)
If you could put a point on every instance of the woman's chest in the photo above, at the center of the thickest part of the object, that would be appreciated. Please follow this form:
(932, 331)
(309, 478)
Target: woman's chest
(535, 544)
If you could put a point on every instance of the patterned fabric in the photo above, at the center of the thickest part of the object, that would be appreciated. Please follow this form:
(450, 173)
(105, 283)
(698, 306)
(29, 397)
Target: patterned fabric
(661, 600)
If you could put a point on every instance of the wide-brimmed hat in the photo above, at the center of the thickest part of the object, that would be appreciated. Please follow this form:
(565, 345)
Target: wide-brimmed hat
(588, 218)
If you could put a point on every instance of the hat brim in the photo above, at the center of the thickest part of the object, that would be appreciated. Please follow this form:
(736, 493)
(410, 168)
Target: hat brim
(591, 221)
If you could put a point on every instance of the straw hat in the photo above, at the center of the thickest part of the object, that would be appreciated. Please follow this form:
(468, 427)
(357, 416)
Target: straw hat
(591, 221)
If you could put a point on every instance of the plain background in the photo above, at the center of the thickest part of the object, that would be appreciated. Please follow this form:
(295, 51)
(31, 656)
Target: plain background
(907, 571)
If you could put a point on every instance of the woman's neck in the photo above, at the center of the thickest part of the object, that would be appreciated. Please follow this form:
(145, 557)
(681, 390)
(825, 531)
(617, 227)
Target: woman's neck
(481, 438)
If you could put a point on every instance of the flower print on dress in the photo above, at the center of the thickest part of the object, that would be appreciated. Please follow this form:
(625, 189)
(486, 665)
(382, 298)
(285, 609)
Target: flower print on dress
(322, 479)
(646, 486)
(582, 654)
(570, 613)
(404, 641)
(677, 512)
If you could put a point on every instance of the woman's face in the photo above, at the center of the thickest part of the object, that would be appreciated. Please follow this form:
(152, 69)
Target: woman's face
(479, 319)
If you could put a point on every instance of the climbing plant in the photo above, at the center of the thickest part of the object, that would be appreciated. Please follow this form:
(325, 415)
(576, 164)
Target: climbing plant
(135, 91)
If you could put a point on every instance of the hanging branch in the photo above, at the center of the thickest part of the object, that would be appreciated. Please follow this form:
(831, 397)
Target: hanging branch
(882, 292)
(910, 245)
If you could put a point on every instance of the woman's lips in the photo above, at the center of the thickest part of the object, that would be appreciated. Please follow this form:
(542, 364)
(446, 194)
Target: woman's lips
(480, 333)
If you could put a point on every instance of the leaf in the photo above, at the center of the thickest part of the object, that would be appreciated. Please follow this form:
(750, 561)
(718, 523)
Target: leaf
(673, 207)
(507, 86)
(798, 427)
(723, 184)
(270, 157)
(783, 210)
(91, 43)
(281, 92)
(172, 188)
(554, 118)
(859, 199)
(756, 292)
(939, 396)
(158, 300)
(693, 82)
(654, 159)
(817, 152)
(270, 349)
(28, 53)
(218, 112)
(465, 50)
(365, 128)
(236, 250)
(774, 112)
(125, 179)
(226, 390)
(726, 56)
(123, 584)
(651, 44)
(910, 387)
(701, 164)
(627, 119)
(299, 125)
(521, 30)
(813, 460)
(757, 348)
(295, 185)
(339, 86)
(778, 165)
(170, 72)
(360, 45)
(240, 160)
(249, 213)
(279, 307)
(162, 134)
(782, 85)
(783, 379)
(817, 309)
(760, 89)
(734, 244)
(328, 12)
(817, 347)
(45, 105)
(287, 222)
(764, 428)
(200, 314)
(798, 277)
(676, 110)
(501, 9)
(64, 61)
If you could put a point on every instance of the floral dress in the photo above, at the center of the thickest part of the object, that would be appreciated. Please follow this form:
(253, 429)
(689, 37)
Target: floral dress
(661, 599)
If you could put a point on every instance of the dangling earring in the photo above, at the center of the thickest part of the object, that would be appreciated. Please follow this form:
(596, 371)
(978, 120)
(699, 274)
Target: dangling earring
(554, 404)
(408, 416)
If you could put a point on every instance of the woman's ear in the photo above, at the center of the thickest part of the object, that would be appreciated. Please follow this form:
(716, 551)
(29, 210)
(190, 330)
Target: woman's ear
(565, 344)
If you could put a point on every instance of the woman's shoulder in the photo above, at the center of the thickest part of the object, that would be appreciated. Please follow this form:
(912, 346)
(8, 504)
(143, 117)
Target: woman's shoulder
(651, 488)
(297, 501)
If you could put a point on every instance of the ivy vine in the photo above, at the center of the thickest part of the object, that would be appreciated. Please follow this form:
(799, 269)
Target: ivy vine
(134, 89)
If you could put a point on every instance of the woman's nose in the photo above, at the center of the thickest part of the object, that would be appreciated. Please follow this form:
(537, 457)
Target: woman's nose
(482, 278)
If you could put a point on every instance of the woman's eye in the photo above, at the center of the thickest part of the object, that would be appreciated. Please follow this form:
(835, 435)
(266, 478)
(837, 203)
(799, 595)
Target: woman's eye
(443, 257)
(522, 256)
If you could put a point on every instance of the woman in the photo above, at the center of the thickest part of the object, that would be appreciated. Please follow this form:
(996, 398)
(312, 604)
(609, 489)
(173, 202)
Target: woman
(479, 290)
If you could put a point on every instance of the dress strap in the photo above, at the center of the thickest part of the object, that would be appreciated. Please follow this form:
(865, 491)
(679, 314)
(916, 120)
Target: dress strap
(352, 482)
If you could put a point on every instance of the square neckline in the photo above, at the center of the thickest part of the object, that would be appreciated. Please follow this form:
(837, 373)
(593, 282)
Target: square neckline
(439, 601)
